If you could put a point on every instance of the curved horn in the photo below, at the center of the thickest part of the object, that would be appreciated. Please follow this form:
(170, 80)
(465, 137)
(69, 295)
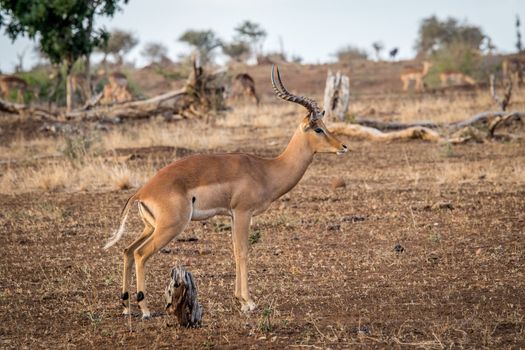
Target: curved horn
(280, 91)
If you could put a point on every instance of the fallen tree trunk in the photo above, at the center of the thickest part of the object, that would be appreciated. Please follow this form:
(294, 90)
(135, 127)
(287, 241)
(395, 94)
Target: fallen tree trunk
(17, 108)
(478, 128)
(373, 134)
(485, 118)
(391, 126)
(134, 109)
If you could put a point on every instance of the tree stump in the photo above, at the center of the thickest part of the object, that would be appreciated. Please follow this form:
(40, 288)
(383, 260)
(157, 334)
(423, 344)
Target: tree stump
(336, 96)
(181, 298)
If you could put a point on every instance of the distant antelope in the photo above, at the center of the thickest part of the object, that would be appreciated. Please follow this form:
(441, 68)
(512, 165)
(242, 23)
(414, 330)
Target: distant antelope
(455, 78)
(10, 83)
(116, 90)
(244, 85)
(238, 185)
(415, 75)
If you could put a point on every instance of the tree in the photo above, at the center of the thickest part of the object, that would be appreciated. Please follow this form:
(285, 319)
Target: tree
(393, 53)
(435, 35)
(205, 41)
(120, 42)
(64, 28)
(350, 53)
(378, 47)
(252, 33)
(296, 59)
(519, 45)
(154, 52)
(236, 50)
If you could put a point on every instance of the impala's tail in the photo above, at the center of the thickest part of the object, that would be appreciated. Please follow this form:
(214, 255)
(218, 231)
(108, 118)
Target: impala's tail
(123, 217)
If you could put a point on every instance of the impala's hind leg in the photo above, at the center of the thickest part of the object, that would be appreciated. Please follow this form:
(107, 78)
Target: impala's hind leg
(167, 227)
(128, 262)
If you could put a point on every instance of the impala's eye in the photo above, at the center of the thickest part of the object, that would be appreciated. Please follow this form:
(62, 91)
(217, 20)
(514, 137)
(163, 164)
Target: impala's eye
(318, 130)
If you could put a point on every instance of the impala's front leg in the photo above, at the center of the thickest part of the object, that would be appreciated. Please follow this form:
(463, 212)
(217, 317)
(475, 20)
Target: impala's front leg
(241, 227)
(237, 270)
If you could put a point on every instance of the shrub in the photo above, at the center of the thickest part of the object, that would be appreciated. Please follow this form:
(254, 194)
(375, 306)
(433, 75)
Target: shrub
(350, 53)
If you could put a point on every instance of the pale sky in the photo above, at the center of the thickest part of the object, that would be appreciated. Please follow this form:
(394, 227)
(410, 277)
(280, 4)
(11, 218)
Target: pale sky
(312, 29)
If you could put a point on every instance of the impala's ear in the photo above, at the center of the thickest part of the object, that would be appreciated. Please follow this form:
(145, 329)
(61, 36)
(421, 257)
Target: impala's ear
(306, 123)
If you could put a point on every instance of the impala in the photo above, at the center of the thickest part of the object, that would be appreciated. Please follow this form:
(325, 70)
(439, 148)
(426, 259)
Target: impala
(415, 75)
(238, 185)
(243, 85)
(116, 89)
(451, 78)
(10, 83)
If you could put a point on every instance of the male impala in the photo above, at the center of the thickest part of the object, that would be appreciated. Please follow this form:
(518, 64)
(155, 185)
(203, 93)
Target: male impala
(238, 185)
(415, 75)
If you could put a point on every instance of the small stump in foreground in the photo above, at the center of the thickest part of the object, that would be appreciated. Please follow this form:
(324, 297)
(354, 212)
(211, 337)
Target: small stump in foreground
(181, 298)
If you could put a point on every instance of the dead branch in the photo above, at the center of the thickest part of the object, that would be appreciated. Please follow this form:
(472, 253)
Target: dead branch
(93, 101)
(502, 120)
(22, 109)
(391, 126)
(507, 87)
(181, 298)
(485, 119)
(134, 109)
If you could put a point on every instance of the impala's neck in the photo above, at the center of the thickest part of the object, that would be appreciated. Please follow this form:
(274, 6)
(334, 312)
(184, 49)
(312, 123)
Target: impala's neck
(287, 169)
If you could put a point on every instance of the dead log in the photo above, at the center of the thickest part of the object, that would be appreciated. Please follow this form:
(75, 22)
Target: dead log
(392, 126)
(134, 109)
(181, 298)
(484, 119)
(93, 101)
(336, 96)
(22, 109)
(502, 120)
(368, 133)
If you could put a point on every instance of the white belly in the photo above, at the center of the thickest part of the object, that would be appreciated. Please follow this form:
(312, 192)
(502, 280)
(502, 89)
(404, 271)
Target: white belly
(203, 214)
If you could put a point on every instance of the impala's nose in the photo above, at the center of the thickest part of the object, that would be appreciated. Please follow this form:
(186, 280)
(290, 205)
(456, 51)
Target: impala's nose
(343, 149)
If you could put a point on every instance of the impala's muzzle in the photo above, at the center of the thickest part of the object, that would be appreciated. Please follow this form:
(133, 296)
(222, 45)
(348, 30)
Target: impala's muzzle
(344, 149)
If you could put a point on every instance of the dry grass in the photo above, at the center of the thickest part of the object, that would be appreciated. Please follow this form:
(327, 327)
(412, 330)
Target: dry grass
(82, 168)
(93, 174)
(475, 171)
(264, 116)
(192, 135)
(438, 109)
(21, 148)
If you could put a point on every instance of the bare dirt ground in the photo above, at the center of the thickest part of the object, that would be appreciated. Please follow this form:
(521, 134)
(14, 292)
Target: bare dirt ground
(423, 248)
